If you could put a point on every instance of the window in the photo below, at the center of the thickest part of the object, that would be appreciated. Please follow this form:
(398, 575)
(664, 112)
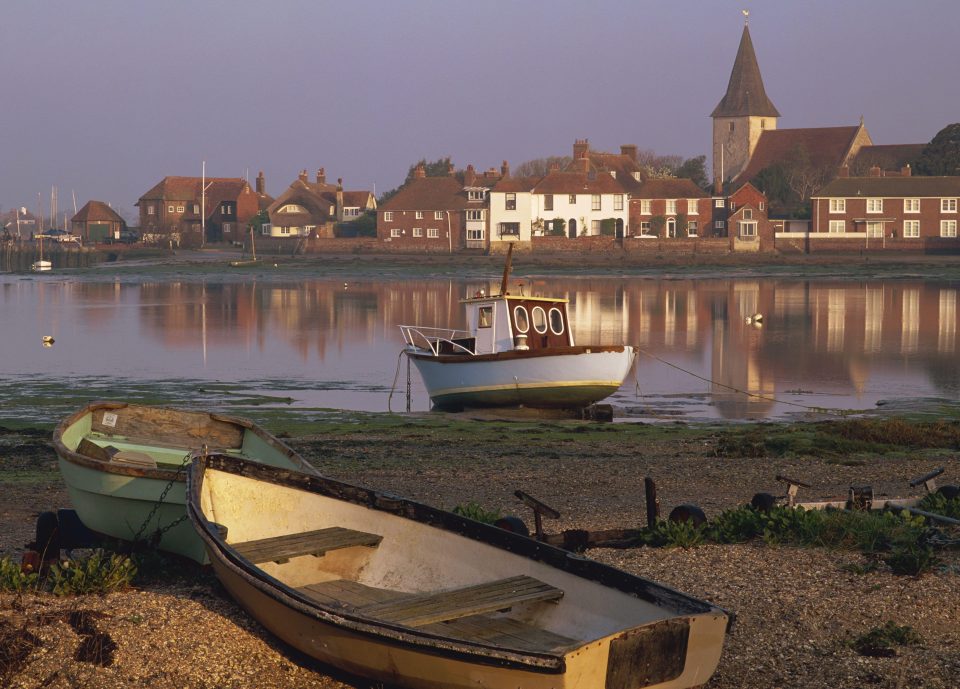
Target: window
(948, 205)
(474, 234)
(388, 216)
(227, 228)
(510, 229)
(171, 209)
(292, 208)
(838, 205)
(485, 317)
(636, 176)
(395, 232)
(417, 231)
(438, 215)
(911, 228)
(351, 212)
(419, 215)
(433, 233)
(556, 321)
(874, 205)
(539, 319)
(477, 194)
(718, 203)
(730, 127)
(692, 207)
(474, 215)
(180, 209)
(748, 229)
(838, 226)
(548, 202)
(719, 224)
(196, 208)
(645, 227)
(911, 205)
(646, 206)
(572, 198)
(692, 228)
(748, 214)
(594, 227)
(151, 210)
(671, 206)
(511, 202)
(763, 124)
(595, 202)
(948, 228)
(875, 230)
(225, 209)
(618, 202)
(733, 206)
(520, 319)
(761, 205)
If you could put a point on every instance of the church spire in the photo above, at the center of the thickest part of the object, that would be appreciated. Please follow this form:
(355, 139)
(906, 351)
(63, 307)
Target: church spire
(745, 95)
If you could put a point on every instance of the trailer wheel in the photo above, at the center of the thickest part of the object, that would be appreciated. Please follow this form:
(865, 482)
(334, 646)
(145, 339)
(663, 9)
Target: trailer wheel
(763, 502)
(949, 492)
(513, 525)
(688, 513)
(48, 536)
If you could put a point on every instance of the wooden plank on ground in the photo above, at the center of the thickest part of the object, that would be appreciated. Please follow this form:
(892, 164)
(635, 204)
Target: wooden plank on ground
(421, 609)
(319, 542)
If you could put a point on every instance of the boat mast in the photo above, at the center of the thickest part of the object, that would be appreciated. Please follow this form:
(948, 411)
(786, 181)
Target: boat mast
(506, 270)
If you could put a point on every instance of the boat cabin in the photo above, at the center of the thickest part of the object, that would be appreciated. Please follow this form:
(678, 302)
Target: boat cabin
(507, 322)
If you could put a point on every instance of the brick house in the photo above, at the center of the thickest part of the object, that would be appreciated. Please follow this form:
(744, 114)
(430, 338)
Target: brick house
(748, 224)
(884, 206)
(667, 207)
(439, 213)
(97, 222)
(314, 208)
(174, 210)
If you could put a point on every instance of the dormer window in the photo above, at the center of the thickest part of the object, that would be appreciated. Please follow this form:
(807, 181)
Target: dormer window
(636, 176)
(292, 208)
(476, 194)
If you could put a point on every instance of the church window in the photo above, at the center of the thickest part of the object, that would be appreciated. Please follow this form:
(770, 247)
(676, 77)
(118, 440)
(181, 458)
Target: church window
(763, 124)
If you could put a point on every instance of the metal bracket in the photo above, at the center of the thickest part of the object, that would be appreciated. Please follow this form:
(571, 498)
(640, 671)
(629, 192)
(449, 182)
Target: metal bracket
(540, 510)
(793, 487)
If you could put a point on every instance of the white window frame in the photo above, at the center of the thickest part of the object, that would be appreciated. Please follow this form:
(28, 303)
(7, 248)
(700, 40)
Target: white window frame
(171, 209)
(595, 227)
(475, 234)
(692, 207)
(874, 205)
(388, 216)
(474, 215)
(510, 201)
(720, 224)
(948, 228)
(948, 205)
(618, 202)
(692, 227)
(438, 215)
(645, 227)
(911, 229)
(838, 226)
(476, 195)
(596, 203)
(671, 206)
(417, 231)
(875, 230)
(911, 205)
(151, 210)
(718, 203)
(572, 199)
(418, 215)
(747, 229)
(433, 233)
(646, 206)
(181, 209)
(838, 205)
(394, 232)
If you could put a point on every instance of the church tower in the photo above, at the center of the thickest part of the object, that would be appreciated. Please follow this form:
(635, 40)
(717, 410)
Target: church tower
(742, 115)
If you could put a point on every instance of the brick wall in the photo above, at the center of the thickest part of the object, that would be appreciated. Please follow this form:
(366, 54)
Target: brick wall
(859, 245)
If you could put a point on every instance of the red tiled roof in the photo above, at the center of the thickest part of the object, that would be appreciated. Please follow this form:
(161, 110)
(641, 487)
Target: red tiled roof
(679, 188)
(578, 183)
(96, 211)
(891, 187)
(428, 193)
(825, 146)
(189, 188)
(511, 184)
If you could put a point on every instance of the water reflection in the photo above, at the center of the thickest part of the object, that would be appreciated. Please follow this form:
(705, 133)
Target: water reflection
(819, 343)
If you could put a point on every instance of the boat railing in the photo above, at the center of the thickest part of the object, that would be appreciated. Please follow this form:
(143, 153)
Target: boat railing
(438, 340)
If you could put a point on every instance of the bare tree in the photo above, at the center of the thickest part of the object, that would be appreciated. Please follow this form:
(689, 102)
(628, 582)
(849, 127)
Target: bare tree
(540, 167)
(803, 176)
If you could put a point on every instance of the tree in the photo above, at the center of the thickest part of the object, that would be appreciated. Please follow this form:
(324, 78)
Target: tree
(437, 168)
(942, 155)
(695, 169)
(540, 167)
(803, 176)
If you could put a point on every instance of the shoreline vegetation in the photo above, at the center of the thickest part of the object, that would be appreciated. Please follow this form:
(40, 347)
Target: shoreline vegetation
(807, 616)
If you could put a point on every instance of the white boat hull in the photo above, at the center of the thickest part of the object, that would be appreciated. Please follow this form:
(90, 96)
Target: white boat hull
(569, 378)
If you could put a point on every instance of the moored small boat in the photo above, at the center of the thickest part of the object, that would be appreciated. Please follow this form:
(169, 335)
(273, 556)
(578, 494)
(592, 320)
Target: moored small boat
(517, 351)
(405, 594)
(125, 467)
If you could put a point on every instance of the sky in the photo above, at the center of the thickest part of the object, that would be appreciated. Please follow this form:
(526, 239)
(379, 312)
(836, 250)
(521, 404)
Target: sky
(104, 98)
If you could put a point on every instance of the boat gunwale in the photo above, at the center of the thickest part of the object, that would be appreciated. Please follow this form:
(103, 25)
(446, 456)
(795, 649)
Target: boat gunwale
(509, 354)
(73, 457)
(673, 602)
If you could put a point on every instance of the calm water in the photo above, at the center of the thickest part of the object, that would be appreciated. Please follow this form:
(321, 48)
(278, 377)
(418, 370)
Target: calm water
(317, 343)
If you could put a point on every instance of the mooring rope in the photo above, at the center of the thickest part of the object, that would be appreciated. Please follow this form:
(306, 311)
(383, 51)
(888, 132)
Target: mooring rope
(819, 410)
(395, 376)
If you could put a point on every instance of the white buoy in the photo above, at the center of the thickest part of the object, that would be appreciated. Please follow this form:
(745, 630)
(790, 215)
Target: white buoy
(48, 339)
(758, 317)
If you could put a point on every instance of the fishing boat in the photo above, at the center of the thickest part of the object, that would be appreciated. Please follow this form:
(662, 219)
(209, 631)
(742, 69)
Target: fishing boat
(125, 467)
(412, 596)
(518, 351)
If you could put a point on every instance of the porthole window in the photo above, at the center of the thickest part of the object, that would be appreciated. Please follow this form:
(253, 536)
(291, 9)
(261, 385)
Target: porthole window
(556, 321)
(521, 320)
(539, 319)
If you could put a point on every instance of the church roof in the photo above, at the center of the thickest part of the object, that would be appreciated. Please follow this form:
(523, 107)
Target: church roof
(745, 93)
(825, 147)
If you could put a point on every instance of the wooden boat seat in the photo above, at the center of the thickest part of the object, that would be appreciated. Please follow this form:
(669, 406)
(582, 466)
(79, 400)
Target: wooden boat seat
(441, 606)
(280, 549)
(496, 631)
(109, 453)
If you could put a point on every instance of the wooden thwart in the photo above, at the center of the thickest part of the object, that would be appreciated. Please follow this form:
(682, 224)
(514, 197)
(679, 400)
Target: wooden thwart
(441, 606)
(281, 548)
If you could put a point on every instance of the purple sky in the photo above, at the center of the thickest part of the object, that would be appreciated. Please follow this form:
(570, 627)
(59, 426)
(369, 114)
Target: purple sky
(106, 97)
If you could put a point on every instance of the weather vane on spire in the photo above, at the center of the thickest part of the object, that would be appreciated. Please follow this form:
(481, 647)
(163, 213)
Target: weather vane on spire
(746, 17)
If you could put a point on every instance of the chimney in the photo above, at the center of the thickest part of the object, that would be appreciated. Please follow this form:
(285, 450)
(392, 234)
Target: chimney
(580, 148)
(340, 199)
(844, 171)
(554, 167)
(875, 171)
(629, 150)
(505, 169)
(261, 183)
(583, 164)
(905, 171)
(420, 171)
(470, 176)
(303, 176)
(322, 176)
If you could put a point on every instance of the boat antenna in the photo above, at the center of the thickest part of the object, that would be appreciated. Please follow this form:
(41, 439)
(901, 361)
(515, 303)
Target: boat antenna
(506, 270)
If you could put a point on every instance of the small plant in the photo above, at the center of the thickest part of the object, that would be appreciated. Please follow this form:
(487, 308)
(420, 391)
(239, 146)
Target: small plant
(880, 641)
(98, 573)
(938, 503)
(476, 512)
(671, 534)
(14, 578)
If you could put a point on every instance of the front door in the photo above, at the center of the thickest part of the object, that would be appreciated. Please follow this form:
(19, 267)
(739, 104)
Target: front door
(572, 228)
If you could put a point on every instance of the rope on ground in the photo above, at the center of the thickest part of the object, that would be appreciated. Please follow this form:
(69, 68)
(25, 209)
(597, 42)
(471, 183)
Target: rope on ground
(820, 410)
(395, 376)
